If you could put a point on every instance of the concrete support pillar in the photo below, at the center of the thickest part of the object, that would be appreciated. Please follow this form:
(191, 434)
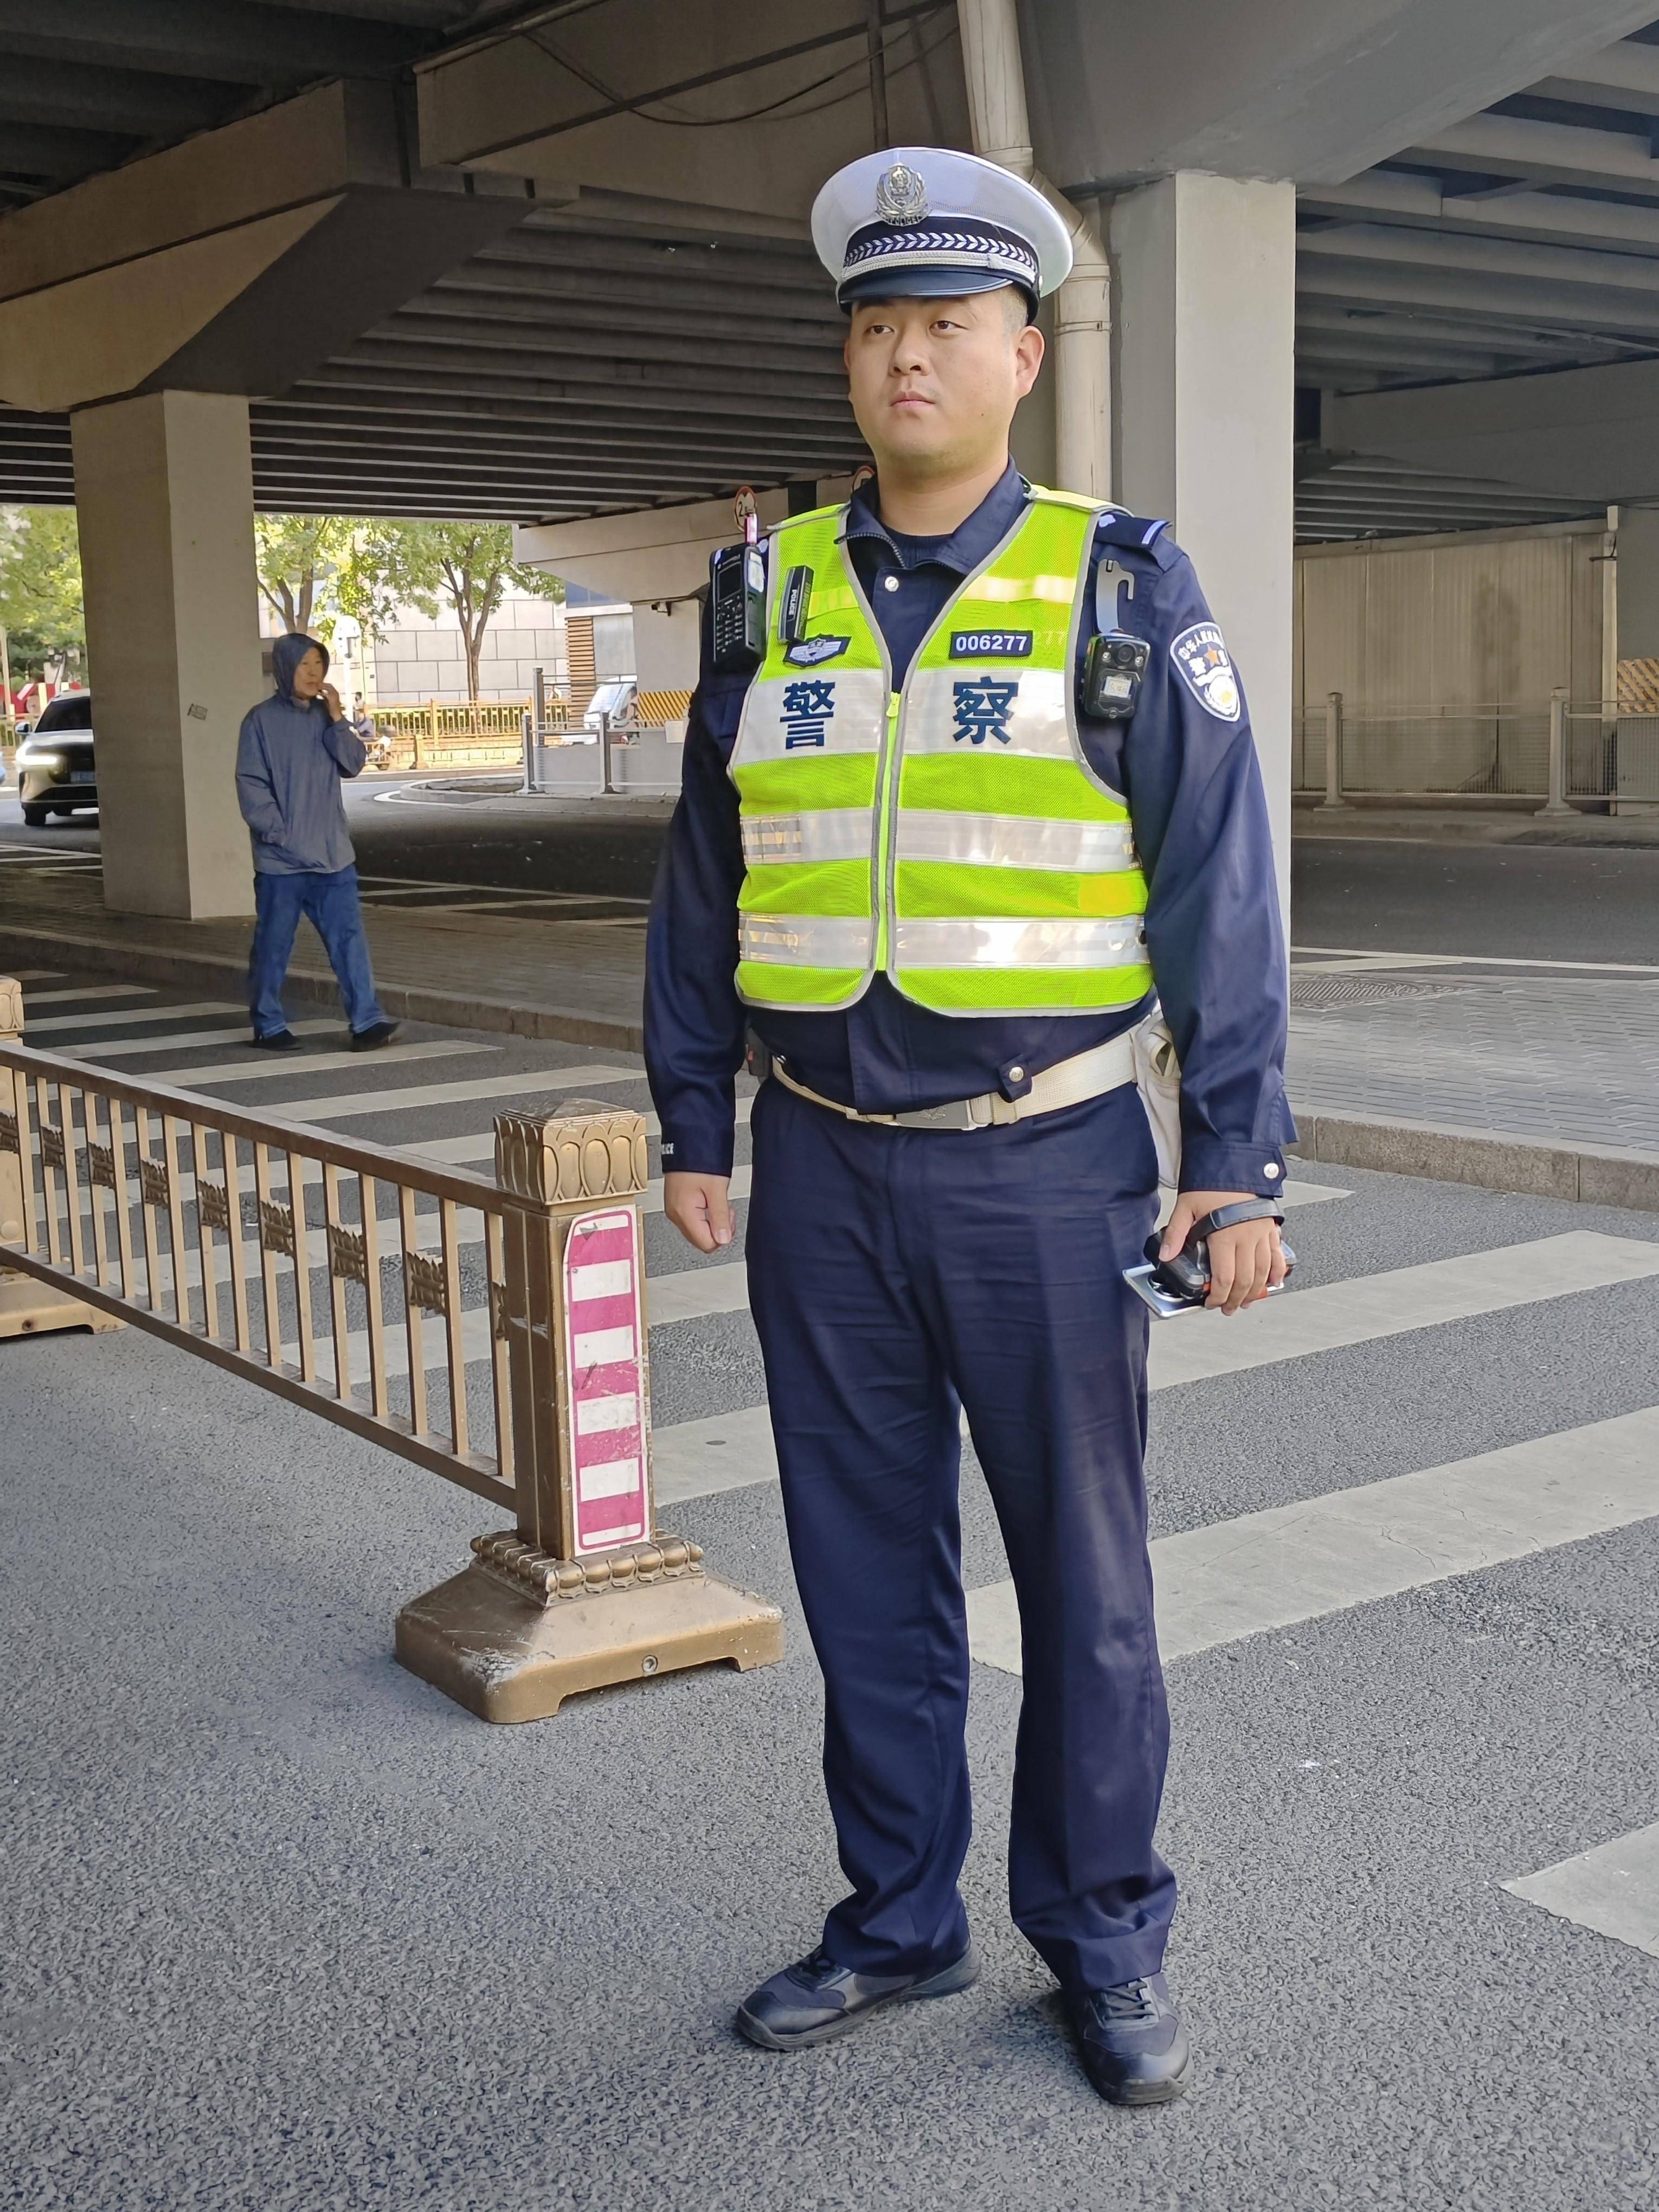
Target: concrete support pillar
(164, 495)
(1206, 388)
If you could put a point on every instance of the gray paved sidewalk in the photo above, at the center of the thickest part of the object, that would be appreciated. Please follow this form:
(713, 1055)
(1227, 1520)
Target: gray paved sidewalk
(1570, 1058)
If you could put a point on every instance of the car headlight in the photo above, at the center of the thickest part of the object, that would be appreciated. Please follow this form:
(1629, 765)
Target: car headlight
(31, 755)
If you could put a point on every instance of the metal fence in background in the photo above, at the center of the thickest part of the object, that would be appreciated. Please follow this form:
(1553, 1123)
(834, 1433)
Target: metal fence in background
(1345, 750)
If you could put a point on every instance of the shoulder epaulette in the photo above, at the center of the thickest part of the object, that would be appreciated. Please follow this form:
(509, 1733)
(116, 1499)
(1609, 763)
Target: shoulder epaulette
(1137, 531)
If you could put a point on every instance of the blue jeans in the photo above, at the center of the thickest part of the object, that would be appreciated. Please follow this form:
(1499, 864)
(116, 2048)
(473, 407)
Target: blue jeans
(331, 903)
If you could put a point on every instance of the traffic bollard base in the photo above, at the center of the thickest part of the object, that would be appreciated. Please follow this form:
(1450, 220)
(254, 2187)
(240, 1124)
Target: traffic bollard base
(518, 1632)
(28, 1308)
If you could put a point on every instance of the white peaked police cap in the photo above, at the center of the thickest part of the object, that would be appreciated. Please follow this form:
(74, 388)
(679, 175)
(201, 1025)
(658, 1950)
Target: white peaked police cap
(921, 221)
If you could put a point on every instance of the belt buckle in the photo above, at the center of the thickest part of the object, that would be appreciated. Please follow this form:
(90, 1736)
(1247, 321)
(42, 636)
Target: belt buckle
(958, 1115)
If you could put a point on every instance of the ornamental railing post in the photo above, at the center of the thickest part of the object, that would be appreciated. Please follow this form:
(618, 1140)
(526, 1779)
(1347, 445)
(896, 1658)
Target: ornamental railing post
(585, 1590)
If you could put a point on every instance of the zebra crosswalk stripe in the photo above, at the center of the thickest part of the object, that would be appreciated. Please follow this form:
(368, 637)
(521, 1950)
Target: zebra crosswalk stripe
(270, 1066)
(1292, 1562)
(102, 1049)
(31, 999)
(728, 1451)
(691, 1292)
(1613, 1889)
(61, 1024)
(350, 1106)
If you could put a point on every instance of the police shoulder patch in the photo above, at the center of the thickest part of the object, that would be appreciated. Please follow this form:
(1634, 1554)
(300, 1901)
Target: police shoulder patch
(1205, 668)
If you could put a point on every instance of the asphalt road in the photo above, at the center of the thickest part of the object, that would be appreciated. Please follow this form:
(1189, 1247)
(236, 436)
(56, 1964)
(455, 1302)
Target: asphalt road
(286, 1929)
(1517, 901)
(1538, 903)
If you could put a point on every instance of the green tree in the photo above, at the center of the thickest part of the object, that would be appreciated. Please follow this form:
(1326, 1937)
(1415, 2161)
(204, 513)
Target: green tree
(40, 599)
(468, 565)
(299, 558)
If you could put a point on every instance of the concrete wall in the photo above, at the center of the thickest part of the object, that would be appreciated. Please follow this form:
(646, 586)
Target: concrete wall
(1439, 646)
(418, 659)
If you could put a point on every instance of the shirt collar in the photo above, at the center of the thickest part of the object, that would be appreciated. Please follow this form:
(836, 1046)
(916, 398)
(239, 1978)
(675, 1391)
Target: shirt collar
(969, 543)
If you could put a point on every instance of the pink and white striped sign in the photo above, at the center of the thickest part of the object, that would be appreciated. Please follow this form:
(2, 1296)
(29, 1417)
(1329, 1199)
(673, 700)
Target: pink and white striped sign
(603, 1344)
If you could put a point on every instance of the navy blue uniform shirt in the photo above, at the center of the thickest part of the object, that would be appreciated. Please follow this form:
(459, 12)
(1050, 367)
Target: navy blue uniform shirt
(1200, 829)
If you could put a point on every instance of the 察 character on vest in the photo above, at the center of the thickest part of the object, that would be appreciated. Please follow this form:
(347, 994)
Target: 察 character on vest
(941, 896)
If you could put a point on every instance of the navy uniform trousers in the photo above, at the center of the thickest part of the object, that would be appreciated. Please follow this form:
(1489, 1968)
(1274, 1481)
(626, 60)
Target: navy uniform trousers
(898, 1277)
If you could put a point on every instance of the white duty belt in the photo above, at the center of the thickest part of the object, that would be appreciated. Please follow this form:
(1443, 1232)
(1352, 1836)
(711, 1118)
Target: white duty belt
(1068, 1083)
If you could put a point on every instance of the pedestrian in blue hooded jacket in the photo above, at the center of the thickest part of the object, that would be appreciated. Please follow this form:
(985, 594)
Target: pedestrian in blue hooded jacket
(292, 753)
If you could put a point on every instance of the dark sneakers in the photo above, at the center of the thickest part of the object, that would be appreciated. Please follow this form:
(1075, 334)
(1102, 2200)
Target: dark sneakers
(372, 1038)
(278, 1041)
(815, 2000)
(1133, 2045)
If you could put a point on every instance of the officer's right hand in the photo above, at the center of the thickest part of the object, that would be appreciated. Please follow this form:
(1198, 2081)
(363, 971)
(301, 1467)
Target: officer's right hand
(699, 1208)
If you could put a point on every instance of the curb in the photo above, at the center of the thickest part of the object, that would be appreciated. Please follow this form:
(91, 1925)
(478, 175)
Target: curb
(215, 972)
(1591, 1175)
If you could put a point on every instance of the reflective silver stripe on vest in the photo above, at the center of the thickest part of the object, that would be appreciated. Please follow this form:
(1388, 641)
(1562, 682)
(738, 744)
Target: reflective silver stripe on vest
(809, 940)
(965, 944)
(1013, 841)
(831, 833)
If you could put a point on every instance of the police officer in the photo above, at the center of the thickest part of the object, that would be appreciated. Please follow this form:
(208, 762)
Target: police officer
(936, 869)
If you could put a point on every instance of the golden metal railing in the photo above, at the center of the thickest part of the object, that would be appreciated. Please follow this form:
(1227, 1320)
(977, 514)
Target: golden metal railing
(324, 1270)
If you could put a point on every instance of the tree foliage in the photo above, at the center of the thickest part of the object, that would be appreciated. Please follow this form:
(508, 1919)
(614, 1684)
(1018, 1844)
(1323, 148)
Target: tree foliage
(299, 559)
(469, 566)
(40, 599)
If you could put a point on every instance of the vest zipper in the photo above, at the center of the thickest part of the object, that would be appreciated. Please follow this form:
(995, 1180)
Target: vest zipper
(886, 811)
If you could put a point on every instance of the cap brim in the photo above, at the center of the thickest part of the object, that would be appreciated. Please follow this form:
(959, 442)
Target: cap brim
(928, 285)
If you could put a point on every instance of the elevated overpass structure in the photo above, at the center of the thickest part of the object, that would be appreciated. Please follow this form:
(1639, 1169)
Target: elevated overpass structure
(1397, 260)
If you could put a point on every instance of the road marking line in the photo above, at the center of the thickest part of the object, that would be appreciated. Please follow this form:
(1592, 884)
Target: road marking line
(1613, 1889)
(692, 1292)
(103, 991)
(1473, 960)
(1194, 1346)
(269, 1066)
(1294, 1562)
(726, 1451)
(449, 1094)
(1369, 1307)
(102, 1049)
(59, 1024)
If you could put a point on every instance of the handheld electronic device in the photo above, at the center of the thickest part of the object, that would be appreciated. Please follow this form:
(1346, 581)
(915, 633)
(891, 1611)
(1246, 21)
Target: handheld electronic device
(738, 606)
(1182, 1282)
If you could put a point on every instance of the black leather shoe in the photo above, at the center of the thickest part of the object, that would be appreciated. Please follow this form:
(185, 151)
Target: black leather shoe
(815, 2000)
(1133, 2045)
(372, 1038)
(278, 1041)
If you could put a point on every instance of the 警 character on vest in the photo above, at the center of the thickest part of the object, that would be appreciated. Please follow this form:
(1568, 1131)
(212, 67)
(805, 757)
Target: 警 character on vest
(942, 877)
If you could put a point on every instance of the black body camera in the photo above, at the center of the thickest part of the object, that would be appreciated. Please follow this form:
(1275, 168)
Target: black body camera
(1112, 669)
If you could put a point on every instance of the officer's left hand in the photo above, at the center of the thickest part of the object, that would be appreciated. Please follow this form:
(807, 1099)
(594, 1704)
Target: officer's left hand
(1246, 1261)
(331, 701)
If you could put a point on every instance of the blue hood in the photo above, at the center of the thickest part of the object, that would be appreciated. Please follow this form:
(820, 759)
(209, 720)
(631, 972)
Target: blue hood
(287, 653)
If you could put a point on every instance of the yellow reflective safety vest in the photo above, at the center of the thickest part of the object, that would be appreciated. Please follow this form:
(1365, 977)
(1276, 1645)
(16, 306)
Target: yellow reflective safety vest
(950, 834)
